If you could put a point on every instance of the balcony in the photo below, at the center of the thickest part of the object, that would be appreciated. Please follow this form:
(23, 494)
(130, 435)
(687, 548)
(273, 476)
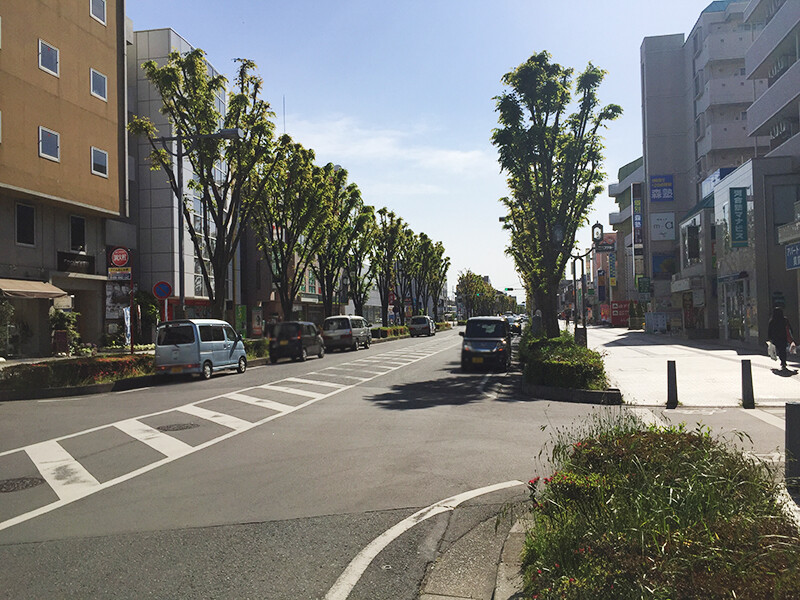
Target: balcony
(724, 136)
(723, 46)
(771, 41)
(779, 101)
(615, 189)
(616, 218)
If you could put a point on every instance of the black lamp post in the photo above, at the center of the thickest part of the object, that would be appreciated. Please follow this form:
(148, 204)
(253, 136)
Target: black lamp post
(597, 237)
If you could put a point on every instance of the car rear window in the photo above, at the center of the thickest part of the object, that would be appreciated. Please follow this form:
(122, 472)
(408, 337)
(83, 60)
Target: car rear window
(419, 320)
(176, 335)
(334, 324)
(284, 331)
(486, 329)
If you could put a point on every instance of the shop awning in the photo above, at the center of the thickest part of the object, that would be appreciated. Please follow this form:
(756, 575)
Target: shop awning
(23, 288)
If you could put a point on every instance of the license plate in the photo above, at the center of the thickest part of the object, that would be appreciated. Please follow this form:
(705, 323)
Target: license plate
(477, 359)
(176, 370)
(283, 343)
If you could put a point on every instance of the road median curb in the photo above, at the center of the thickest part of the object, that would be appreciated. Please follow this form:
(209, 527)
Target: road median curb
(610, 396)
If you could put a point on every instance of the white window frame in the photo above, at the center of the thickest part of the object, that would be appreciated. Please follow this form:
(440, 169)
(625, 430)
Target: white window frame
(58, 58)
(94, 16)
(58, 143)
(92, 73)
(16, 225)
(91, 158)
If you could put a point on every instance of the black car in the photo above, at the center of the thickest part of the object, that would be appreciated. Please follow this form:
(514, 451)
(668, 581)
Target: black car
(487, 342)
(296, 340)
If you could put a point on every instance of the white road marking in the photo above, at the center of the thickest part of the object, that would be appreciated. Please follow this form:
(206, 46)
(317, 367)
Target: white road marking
(134, 390)
(271, 404)
(345, 376)
(766, 417)
(351, 575)
(68, 478)
(291, 390)
(647, 416)
(229, 421)
(315, 382)
(165, 444)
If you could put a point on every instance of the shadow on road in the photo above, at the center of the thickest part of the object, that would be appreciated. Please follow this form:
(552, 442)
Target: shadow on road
(453, 388)
(785, 372)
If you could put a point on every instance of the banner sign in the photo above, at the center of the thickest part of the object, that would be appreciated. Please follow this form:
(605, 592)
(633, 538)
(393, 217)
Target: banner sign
(661, 188)
(738, 217)
(612, 270)
(636, 201)
(793, 256)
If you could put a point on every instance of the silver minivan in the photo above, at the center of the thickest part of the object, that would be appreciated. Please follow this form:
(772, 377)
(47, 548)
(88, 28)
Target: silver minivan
(346, 331)
(198, 346)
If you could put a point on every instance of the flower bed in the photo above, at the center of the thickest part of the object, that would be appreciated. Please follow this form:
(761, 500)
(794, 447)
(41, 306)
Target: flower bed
(560, 362)
(75, 372)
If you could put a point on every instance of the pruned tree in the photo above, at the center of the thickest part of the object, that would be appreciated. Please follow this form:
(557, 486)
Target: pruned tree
(405, 268)
(553, 164)
(389, 236)
(289, 217)
(225, 177)
(438, 277)
(360, 268)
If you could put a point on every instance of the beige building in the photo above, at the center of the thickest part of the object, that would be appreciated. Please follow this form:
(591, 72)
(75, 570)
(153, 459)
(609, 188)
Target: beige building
(62, 159)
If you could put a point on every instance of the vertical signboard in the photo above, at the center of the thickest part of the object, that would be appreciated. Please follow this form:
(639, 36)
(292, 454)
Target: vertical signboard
(793, 256)
(612, 270)
(661, 188)
(636, 200)
(738, 217)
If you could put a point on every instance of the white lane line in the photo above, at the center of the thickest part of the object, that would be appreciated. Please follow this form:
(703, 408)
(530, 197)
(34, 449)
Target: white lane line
(229, 421)
(314, 382)
(766, 417)
(291, 390)
(271, 404)
(68, 478)
(162, 442)
(344, 376)
(351, 575)
(134, 390)
(647, 416)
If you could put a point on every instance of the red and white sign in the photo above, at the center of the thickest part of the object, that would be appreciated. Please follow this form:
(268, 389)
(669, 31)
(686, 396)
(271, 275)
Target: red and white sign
(119, 257)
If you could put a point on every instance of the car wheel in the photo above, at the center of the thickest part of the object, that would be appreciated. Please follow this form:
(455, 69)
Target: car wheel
(242, 366)
(367, 342)
(303, 355)
(207, 370)
(354, 347)
(321, 352)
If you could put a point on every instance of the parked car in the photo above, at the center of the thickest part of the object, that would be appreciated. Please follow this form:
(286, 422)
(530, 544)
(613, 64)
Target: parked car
(296, 340)
(201, 346)
(487, 342)
(421, 325)
(346, 331)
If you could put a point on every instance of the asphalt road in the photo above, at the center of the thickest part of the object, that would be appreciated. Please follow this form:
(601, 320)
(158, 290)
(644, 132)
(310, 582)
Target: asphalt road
(276, 483)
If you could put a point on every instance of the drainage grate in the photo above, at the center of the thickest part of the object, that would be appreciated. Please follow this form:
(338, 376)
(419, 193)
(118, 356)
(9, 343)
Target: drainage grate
(177, 426)
(19, 484)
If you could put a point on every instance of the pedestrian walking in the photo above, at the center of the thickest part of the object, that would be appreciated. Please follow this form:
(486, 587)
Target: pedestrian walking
(780, 333)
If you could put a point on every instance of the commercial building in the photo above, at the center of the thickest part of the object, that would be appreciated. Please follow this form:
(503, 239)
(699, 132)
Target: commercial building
(62, 161)
(628, 259)
(695, 100)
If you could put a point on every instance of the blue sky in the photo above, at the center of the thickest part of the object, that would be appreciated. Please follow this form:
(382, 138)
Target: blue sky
(400, 93)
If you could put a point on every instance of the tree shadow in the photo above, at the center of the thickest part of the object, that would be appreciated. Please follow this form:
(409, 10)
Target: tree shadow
(453, 389)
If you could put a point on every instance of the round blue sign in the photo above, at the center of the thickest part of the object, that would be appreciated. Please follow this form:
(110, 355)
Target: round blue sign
(162, 290)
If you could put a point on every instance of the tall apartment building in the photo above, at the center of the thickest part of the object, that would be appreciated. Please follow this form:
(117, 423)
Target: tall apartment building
(627, 260)
(695, 97)
(62, 159)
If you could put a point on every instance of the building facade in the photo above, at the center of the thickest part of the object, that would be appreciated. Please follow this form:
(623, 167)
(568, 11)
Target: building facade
(62, 160)
(628, 260)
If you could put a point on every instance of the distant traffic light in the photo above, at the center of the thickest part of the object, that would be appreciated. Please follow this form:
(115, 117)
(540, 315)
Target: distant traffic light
(509, 289)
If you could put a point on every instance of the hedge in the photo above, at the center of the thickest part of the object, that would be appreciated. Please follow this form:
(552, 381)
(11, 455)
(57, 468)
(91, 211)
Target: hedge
(560, 362)
(389, 332)
(256, 347)
(75, 372)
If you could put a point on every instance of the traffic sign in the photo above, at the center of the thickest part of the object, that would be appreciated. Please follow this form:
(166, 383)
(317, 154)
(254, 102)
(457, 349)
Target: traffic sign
(120, 256)
(162, 290)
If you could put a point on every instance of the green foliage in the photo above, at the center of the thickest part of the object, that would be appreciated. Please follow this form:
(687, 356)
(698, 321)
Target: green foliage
(560, 362)
(633, 512)
(396, 331)
(386, 243)
(74, 372)
(256, 348)
(476, 294)
(61, 320)
(443, 325)
(553, 162)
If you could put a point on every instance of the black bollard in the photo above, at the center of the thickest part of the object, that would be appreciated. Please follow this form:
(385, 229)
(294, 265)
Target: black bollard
(672, 385)
(748, 399)
(793, 445)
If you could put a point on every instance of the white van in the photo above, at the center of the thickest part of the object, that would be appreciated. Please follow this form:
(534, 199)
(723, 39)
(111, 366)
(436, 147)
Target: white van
(346, 331)
(198, 346)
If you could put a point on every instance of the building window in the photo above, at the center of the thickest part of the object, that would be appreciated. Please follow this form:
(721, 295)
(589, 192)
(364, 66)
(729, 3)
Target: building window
(25, 225)
(98, 10)
(49, 144)
(99, 85)
(99, 162)
(48, 58)
(77, 234)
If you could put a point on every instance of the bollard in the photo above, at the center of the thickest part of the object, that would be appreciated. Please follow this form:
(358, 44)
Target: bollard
(748, 399)
(792, 445)
(672, 385)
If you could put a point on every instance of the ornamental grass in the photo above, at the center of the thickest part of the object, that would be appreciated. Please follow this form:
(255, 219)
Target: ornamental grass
(634, 512)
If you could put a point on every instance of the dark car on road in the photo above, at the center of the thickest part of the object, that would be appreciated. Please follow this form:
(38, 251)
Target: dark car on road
(487, 342)
(296, 340)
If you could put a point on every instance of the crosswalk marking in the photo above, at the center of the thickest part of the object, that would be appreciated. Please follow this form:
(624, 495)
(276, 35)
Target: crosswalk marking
(68, 478)
(167, 445)
(314, 382)
(215, 417)
(344, 376)
(291, 390)
(263, 402)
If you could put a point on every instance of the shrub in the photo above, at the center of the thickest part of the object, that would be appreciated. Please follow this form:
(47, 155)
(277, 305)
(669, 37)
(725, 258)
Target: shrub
(560, 362)
(443, 325)
(256, 347)
(75, 372)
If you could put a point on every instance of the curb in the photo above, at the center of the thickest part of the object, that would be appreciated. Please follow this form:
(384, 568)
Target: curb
(611, 396)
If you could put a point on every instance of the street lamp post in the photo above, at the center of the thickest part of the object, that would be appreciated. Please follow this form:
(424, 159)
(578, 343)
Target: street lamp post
(597, 237)
(227, 134)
